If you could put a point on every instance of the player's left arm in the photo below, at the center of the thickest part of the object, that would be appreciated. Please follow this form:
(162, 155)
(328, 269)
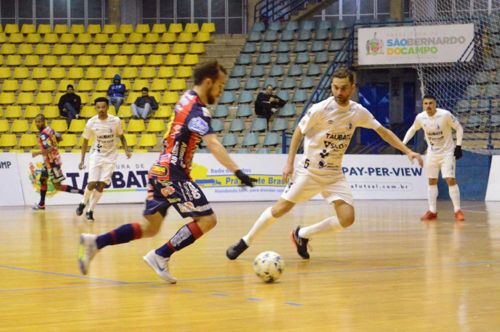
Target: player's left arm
(453, 122)
(128, 153)
(394, 141)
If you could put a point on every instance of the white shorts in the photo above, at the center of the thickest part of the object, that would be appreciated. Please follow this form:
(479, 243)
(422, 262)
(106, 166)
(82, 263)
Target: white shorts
(435, 163)
(304, 187)
(101, 172)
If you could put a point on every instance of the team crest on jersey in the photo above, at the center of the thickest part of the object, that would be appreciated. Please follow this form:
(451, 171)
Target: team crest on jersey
(198, 125)
(167, 191)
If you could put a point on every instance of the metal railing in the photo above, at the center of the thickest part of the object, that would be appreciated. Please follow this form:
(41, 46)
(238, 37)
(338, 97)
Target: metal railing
(272, 10)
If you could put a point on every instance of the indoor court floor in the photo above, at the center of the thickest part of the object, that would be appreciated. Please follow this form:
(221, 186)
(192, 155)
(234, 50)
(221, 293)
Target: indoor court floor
(388, 272)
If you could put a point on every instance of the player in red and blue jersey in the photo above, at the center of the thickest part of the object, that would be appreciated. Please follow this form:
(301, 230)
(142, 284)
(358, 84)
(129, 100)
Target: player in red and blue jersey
(48, 140)
(169, 178)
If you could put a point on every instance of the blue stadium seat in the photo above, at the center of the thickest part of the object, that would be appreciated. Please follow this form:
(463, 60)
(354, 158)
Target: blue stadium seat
(244, 111)
(270, 81)
(271, 36)
(323, 25)
(322, 35)
(492, 90)
(237, 125)
(244, 59)
(266, 47)
(251, 139)
(259, 27)
(284, 95)
(238, 71)
(283, 47)
(283, 59)
(274, 26)
(473, 91)
(263, 151)
(304, 35)
(295, 70)
(288, 83)
(257, 71)
(217, 125)
(227, 98)
(287, 111)
(317, 46)
(462, 106)
(249, 48)
(300, 46)
(321, 57)
(264, 59)
(254, 37)
(232, 84)
(245, 97)
(292, 26)
(335, 45)
(306, 83)
(259, 124)
(338, 34)
(252, 84)
(271, 139)
(279, 124)
(276, 70)
(287, 36)
(229, 140)
(306, 25)
(221, 111)
(302, 58)
(340, 25)
(300, 96)
(313, 70)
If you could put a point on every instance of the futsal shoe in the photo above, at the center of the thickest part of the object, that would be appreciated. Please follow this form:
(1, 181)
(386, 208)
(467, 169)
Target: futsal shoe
(159, 264)
(90, 216)
(300, 243)
(37, 207)
(79, 209)
(86, 251)
(429, 216)
(459, 216)
(236, 249)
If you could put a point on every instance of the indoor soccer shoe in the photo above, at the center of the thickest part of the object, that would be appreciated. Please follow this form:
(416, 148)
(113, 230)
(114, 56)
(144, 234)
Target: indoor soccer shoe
(459, 216)
(429, 216)
(37, 207)
(300, 243)
(159, 264)
(236, 249)
(90, 216)
(86, 251)
(79, 209)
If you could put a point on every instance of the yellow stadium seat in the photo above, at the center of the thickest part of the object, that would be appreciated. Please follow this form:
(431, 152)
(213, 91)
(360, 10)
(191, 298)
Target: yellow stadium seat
(159, 84)
(57, 73)
(125, 112)
(28, 29)
(142, 28)
(19, 126)
(119, 61)
(11, 28)
(148, 140)
(75, 73)
(148, 72)
(3, 37)
(88, 112)
(31, 111)
(51, 112)
(48, 86)
(162, 49)
(4, 125)
(102, 60)
(145, 49)
(110, 72)
(33, 38)
(76, 126)
(126, 28)
(136, 126)
(94, 29)
(84, 38)
(13, 112)
(163, 112)
(130, 73)
(159, 28)
(196, 48)
(94, 49)
(139, 84)
(33, 127)
(202, 37)
(134, 38)
(32, 60)
(21, 73)
(1, 60)
(93, 73)
(118, 38)
(179, 49)
(155, 60)
(50, 38)
(102, 38)
(156, 126)
(137, 60)
(5, 73)
(131, 140)
(60, 28)
(111, 49)
(25, 49)
(173, 60)
(67, 38)
(77, 28)
(44, 98)
(151, 38)
(191, 27)
(131, 97)
(184, 72)
(29, 85)
(109, 29)
(49, 61)
(28, 141)
(175, 28)
(185, 37)
(166, 72)
(135, 150)
(42, 49)
(177, 84)
(8, 49)
(59, 125)
(85, 98)
(60, 49)
(44, 29)
(170, 98)
(63, 85)
(8, 141)
(7, 98)
(190, 60)
(77, 151)
(10, 85)
(85, 86)
(25, 98)
(16, 38)
(13, 60)
(77, 49)
(68, 140)
(128, 49)
(168, 38)
(208, 27)
(67, 61)
(85, 61)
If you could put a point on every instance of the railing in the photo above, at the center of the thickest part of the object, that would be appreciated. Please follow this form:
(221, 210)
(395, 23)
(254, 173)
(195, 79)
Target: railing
(271, 10)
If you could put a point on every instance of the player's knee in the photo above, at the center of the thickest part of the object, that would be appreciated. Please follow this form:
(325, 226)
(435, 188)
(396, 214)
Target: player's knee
(149, 229)
(91, 186)
(211, 221)
(451, 181)
(346, 221)
(433, 182)
(281, 208)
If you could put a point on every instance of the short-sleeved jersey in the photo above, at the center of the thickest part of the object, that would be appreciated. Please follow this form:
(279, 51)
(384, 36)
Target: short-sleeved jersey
(105, 134)
(47, 141)
(191, 122)
(328, 128)
(438, 130)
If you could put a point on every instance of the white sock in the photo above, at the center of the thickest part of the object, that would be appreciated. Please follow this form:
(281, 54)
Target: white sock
(330, 224)
(265, 220)
(86, 195)
(432, 194)
(95, 198)
(455, 196)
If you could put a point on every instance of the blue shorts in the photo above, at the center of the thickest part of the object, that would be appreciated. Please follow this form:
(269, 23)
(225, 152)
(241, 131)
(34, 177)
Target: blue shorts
(185, 196)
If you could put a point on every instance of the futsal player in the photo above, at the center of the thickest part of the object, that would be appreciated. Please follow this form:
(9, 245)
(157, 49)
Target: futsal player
(327, 129)
(442, 153)
(105, 129)
(169, 180)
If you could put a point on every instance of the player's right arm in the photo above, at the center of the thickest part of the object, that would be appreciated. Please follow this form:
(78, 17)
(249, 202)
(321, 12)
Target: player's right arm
(292, 153)
(86, 136)
(411, 132)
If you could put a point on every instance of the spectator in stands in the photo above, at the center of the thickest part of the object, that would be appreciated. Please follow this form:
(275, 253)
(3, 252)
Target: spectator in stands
(267, 103)
(70, 104)
(143, 105)
(116, 92)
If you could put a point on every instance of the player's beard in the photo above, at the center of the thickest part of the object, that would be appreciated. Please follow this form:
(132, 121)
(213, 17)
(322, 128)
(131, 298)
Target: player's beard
(341, 101)
(210, 97)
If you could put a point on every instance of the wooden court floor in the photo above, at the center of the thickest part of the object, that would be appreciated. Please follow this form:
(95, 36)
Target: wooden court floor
(388, 272)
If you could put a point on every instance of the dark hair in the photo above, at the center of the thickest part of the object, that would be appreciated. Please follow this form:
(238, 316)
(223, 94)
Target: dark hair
(145, 89)
(429, 97)
(207, 70)
(101, 100)
(344, 72)
(40, 116)
(70, 86)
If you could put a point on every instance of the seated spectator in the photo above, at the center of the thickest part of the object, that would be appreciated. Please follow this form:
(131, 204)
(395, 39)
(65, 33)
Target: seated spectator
(70, 104)
(116, 92)
(267, 103)
(143, 105)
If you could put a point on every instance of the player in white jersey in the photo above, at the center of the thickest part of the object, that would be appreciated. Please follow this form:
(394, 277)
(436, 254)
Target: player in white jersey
(105, 129)
(442, 153)
(327, 127)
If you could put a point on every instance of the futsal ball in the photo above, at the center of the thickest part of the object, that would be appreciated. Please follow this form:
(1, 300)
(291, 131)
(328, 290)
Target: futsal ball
(268, 266)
